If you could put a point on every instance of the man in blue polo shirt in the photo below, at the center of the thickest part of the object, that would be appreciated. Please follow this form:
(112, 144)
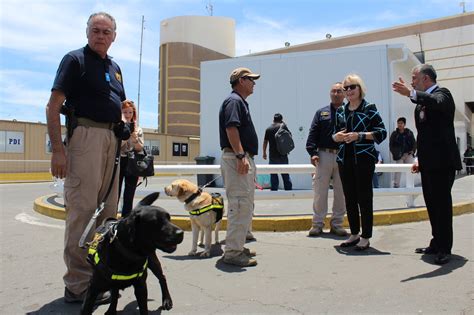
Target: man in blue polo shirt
(239, 144)
(90, 84)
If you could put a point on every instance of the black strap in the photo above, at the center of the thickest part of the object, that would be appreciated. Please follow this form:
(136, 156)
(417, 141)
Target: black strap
(193, 196)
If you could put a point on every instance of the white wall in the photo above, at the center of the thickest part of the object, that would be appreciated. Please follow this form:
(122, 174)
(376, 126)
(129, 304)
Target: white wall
(296, 85)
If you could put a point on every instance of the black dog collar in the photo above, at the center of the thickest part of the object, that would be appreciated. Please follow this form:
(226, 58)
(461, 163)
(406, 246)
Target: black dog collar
(193, 196)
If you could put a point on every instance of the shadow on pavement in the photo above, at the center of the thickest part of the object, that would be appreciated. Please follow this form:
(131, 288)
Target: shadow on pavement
(222, 266)
(329, 236)
(216, 250)
(351, 251)
(58, 306)
(455, 263)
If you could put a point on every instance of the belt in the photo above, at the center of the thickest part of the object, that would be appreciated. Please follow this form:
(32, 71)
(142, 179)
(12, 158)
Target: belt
(232, 151)
(328, 150)
(86, 122)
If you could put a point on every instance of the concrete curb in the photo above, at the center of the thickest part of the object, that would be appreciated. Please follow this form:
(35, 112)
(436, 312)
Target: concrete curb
(281, 223)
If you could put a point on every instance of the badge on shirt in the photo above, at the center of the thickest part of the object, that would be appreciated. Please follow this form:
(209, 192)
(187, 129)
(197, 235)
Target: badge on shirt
(323, 114)
(421, 113)
(118, 77)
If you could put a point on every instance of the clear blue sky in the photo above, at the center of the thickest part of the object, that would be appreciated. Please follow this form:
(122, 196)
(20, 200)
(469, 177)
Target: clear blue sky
(35, 35)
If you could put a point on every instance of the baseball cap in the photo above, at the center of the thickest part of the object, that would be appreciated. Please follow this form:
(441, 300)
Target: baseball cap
(242, 72)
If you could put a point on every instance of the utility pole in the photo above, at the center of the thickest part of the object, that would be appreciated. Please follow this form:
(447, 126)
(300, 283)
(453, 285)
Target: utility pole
(210, 8)
(140, 71)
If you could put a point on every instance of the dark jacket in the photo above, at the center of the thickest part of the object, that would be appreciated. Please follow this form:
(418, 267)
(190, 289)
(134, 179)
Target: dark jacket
(365, 118)
(436, 140)
(321, 131)
(401, 143)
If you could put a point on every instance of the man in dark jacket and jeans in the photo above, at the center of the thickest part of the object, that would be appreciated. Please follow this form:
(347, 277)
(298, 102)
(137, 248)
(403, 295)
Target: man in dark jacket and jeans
(275, 156)
(402, 147)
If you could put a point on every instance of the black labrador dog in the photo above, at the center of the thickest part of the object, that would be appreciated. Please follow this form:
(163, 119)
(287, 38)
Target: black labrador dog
(122, 250)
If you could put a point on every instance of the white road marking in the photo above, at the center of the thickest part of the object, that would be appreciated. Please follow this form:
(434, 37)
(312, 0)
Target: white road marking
(28, 219)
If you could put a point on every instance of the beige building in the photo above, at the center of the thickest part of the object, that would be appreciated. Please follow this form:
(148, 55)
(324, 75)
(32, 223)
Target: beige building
(185, 41)
(446, 43)
(25, 147)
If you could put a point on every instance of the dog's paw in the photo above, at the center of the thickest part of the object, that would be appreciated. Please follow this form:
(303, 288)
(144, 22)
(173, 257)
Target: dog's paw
(205, 254)
(192, 253)
(167, 304)
(201, 244)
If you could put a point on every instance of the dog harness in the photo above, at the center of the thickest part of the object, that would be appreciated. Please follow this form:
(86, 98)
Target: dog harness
(217, 205)
(110, 227)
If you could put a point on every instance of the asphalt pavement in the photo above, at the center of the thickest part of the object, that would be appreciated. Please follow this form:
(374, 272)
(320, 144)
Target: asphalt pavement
(295, 274)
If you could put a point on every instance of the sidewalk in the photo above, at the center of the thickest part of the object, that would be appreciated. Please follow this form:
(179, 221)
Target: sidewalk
(288, 214)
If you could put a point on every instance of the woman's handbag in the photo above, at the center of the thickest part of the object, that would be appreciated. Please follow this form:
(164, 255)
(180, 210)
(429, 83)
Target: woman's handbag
(140, 164)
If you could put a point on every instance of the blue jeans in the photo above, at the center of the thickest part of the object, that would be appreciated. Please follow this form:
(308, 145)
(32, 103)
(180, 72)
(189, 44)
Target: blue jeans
(274, 181)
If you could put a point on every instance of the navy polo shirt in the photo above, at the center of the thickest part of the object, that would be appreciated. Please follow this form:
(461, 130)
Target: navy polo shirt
(93, 85)
(235, 112)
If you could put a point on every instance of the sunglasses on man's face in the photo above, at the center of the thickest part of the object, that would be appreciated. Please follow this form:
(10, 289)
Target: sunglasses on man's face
(249, 78)
(350, 87)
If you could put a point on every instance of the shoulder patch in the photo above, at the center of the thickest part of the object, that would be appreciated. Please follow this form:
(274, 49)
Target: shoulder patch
(118, 77)
(325, 113)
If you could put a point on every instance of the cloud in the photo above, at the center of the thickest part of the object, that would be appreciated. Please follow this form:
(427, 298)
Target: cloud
(263, 34)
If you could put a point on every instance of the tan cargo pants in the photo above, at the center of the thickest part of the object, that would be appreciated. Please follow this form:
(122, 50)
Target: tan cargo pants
(240, 191)
(327, 169)
(90, 161)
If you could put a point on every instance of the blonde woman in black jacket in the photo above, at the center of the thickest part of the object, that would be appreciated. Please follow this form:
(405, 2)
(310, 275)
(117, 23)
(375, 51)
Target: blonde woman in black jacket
(358, 127)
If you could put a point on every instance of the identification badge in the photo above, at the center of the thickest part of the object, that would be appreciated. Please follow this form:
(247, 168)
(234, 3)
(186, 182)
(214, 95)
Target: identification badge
(422, 114)
(107, 77)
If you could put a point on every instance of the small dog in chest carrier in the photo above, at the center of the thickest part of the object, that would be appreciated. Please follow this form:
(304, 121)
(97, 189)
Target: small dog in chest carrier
(204, 209)
(122, 250)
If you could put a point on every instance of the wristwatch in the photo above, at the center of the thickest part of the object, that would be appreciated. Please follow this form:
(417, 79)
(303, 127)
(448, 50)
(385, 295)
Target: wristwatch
(240, 156)
(361, 137)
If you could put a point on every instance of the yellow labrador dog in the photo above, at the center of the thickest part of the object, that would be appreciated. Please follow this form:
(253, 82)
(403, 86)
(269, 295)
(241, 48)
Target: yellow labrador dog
(204, 210)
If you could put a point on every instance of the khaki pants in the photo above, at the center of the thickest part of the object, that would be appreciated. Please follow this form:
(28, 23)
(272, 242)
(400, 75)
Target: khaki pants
(90, 161)
(326, 169)
(240, 191)
(406, 159)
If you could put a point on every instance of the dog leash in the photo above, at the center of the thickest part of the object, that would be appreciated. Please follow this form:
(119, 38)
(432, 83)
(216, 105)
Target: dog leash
(82, 240)
(199, 191)
(210, 182)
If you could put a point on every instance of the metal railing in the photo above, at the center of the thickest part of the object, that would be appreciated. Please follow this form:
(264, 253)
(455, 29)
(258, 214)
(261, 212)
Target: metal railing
(410, 191)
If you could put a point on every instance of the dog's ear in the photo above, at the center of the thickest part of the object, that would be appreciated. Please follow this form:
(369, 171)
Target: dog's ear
(148, 200)
(131, 223)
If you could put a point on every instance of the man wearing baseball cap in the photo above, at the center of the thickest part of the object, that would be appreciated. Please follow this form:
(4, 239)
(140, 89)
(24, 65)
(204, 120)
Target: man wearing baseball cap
(239, 144)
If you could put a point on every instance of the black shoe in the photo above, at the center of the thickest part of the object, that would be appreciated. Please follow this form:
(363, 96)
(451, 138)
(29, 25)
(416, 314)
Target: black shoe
(442, 259)
(350, 244)
(102, 298)
(426, 250)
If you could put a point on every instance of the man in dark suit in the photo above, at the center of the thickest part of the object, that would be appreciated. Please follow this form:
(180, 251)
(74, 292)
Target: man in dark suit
(438, 154)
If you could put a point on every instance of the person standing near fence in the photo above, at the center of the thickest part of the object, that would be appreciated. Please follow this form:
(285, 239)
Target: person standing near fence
(90, 84)
(131, 146)
(323, 151)
(239, 144)
(276, 157)
(402, 146)
(358, 127)
(438, 154)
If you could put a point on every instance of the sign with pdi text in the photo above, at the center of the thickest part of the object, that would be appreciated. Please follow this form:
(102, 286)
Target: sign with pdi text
(14, 142)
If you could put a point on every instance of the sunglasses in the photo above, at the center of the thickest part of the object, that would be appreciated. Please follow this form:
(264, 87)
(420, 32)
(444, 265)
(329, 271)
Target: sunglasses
(248, 78)
(350, 87)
